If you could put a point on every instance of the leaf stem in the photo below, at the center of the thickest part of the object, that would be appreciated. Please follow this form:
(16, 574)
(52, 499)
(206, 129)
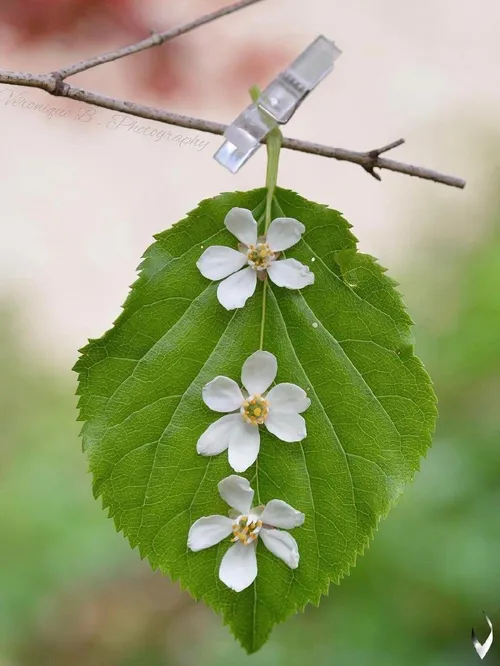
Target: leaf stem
(263, 318)
(274, 142)
(257, 489)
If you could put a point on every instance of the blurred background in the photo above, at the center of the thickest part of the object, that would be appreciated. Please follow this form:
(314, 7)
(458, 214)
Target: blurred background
(81, 197)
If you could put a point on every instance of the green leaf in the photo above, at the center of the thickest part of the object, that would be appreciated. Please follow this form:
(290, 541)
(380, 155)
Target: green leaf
(346, 339)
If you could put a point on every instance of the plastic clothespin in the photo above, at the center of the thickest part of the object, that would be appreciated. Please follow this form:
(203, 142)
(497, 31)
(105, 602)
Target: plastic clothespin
(277, 103)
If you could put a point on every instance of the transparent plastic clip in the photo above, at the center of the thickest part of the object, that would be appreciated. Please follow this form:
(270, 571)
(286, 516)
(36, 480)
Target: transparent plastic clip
(277, 103)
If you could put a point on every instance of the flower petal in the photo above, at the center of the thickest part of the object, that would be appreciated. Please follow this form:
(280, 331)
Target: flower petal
(241, 223)
(234, 291)
(283, 545)
(281, 514)
(218, 262)
(208, 531)
(216, 437)
(283, 233)
(259, 372)
(222, 395)
(256, 512)
(287, 426)
(238, 568)
(253, 515)
(290, 273)
(236, 491)
(288, 398)
(243, 446)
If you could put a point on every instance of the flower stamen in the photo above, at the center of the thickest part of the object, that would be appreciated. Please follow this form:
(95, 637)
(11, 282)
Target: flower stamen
(260, 256)
(255, 410)
(246, 530)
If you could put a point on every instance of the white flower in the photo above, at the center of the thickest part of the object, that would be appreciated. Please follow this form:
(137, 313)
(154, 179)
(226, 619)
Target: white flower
(238, 568)
(259, 255)
(279, 410)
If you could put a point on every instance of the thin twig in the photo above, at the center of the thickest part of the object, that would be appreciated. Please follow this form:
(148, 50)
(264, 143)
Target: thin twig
(155, 40)
(369, 161)
(54, 84)
(374, 154)
(385, 149)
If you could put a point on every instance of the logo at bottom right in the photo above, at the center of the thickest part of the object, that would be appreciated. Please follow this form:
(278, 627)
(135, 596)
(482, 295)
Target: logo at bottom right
(482, 649)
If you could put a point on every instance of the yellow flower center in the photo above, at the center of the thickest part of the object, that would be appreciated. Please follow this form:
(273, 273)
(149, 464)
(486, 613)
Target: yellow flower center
(260, 256)
(255, 410)
(246, 530)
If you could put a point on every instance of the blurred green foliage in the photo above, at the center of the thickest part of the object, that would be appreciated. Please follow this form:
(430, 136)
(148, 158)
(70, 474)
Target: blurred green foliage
(72, 593)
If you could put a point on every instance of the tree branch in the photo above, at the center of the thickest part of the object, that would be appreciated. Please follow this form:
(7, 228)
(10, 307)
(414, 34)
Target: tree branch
(54, 84)
(155, 40)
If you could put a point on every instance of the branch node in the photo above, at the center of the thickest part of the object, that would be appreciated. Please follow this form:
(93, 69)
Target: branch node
(369, 169)
(373, 155)
(156, 38)
(60, 86)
